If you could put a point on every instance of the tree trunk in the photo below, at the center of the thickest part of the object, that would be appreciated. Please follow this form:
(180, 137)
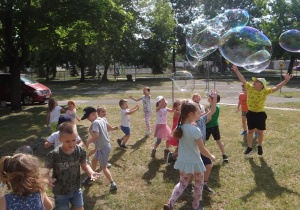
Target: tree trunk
(292, 60)
(47, 73)
(173, 60)
(104, 77)
(82, 73)
(53, 67)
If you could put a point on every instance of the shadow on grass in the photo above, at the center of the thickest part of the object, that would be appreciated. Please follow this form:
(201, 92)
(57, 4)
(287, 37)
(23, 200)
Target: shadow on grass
(90, 200)
(138, 144)
(116, 156)
(153, 168)
(265, 181)
(245, 143)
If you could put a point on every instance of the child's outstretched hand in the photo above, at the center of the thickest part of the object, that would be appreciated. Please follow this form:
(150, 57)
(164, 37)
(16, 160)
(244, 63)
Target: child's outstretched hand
(213, 158)
(234, 68)
(130, 96)
(51, 183)
(214, 93)
(287, 77)
(95, 176)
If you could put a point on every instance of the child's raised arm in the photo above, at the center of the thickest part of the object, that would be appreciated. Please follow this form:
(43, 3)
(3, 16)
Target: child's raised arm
(287, 78)
(135, 99)
(238, 74)
(133, 110)
(110, 128)
(212, 110)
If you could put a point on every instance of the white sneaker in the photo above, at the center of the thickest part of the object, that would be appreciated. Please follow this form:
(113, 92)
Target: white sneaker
(148, 133)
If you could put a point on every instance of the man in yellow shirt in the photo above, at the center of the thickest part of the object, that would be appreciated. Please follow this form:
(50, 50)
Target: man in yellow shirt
(256, 116)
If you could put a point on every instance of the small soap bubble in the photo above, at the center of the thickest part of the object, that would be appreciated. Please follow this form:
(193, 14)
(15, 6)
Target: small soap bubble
(184, 81)
(24, 149)
(146, 34)
(290, 40)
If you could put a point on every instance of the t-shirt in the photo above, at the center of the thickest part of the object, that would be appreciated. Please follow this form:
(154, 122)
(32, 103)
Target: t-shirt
(54, 115)
(189, 159)
(243, 102)
(72, 114)
(146, 103)
(66, 169)
(201, 124)
(125, 119)
(17, 202)
(53, 139)
(161, 116)
(256, 99)
(99, 125)
(214, 118)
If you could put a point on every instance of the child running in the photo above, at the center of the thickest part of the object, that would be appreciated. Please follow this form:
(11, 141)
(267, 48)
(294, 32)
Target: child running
(212, 127)
(72, 111)
(189, 161)
(125, 121)
(147, 107)
(102, 143)
(23, 175)
(65, 161)
(256, 115)
(162, 130)
(53, 114)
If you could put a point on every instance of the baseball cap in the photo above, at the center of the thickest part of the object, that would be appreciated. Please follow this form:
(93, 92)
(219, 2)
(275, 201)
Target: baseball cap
(87, 111)
(64, 118)
(262, 80)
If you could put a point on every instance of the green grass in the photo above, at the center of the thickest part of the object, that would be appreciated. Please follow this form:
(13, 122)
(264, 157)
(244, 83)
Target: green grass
(269, 182)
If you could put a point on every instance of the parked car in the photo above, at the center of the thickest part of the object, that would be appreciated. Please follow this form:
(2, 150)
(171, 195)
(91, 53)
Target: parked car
(296, 68)
(31, 90)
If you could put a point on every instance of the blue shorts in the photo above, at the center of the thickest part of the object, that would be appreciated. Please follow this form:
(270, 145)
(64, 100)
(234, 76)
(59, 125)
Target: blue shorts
(102, 155)
(125, 130)
(205, 160)
(62, 201)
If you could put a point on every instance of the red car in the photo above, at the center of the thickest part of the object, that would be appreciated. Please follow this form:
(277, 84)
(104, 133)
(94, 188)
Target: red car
(31, 90)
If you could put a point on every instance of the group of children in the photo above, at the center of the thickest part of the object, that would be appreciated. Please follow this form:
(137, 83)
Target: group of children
(192, 125)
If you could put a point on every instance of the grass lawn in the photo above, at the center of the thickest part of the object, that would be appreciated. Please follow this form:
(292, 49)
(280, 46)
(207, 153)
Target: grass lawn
(252, 182)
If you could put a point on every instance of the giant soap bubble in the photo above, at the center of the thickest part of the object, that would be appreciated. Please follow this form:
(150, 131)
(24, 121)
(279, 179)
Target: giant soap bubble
(184, 81)
(257, 68)
(244, 46)
(207, 40)
(218, 23)
(290, 40)
(236, 18)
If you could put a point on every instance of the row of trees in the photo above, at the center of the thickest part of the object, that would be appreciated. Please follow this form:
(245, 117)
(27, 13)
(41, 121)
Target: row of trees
(44, 34)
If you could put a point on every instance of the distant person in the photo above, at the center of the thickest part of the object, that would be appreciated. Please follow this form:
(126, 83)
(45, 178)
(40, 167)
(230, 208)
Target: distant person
(162, 130)
(53, 139)
(256, 116)
(72, 111)
(147, 107)
(125, 122)
(212, 127)
(23, 175)
(65, 161)
(189, 162)
(102, 142)
(53, 114)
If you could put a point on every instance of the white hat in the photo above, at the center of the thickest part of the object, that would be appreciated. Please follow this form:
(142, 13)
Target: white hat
(159, 98)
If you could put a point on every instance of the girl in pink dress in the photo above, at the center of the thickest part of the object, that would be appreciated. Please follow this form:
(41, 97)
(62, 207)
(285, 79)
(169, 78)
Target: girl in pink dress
(162, 130)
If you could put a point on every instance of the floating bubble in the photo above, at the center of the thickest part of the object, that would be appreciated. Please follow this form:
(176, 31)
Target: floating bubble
(184, 81)
(236, 18)
(146, 34)
(24, 149)
(218, 23)
(207, 40)
(191, 56)
(241, 44)
(290, 40)
(258, 58)
(257, 68)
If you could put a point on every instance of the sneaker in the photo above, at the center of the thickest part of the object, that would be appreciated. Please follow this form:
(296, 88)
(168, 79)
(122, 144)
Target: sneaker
(108, 165)
(124, 146)
(190, 188)
(86, 180)
(113, 186)
(255, 135)
(225, 158)
(166, 152)
(119, 141)
(248, 150)
(168, 207)
(170, 158)
(153, 153)
(148, 133)
(243, 133)
(207, 189)
(259, 150)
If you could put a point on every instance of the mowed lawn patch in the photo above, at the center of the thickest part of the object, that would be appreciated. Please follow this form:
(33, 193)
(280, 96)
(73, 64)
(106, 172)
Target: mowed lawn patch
(246, 182)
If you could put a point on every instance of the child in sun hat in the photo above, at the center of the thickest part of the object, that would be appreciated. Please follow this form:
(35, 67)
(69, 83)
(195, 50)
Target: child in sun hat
(256, 116)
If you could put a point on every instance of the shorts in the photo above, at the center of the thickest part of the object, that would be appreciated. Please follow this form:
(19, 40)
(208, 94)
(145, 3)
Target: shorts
(244, 113)
(102, 155)
(125, 130)
(214, 131)
(256, 120)
(62, 201)
(205, 160)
